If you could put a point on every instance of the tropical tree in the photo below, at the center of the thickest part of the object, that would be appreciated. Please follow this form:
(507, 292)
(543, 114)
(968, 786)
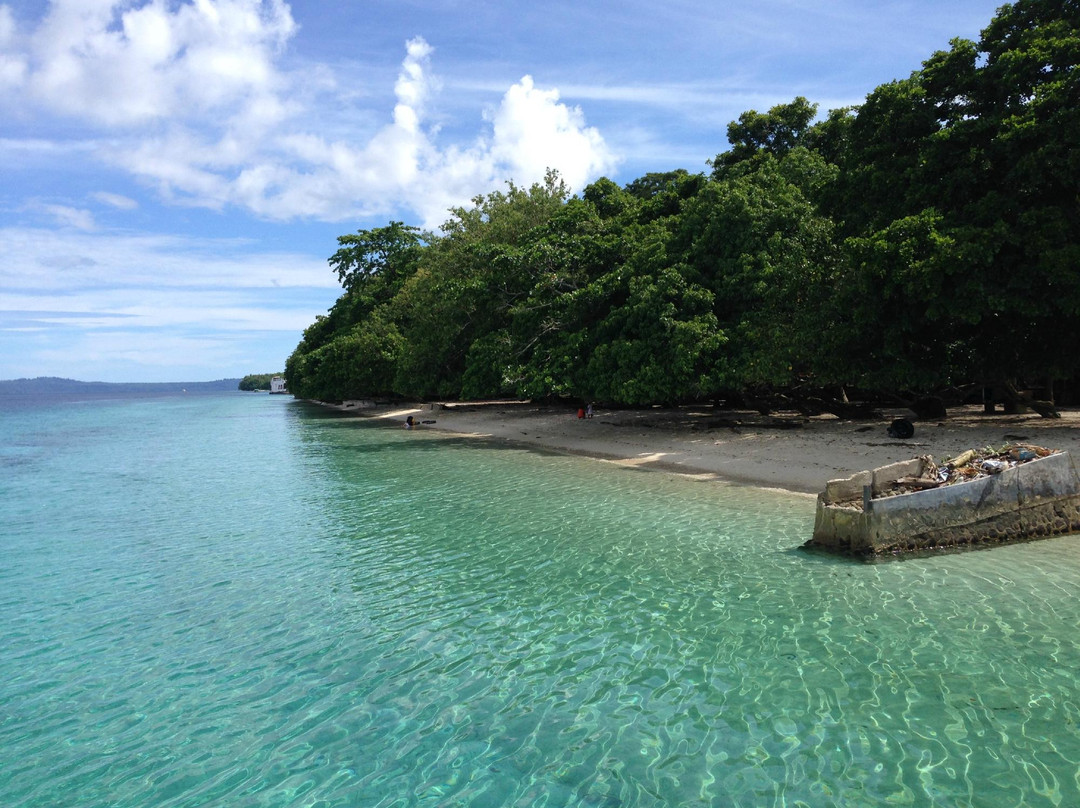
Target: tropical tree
(757, 243)
(351, 352)
(773, 133)
(983, 143)
(468, 282)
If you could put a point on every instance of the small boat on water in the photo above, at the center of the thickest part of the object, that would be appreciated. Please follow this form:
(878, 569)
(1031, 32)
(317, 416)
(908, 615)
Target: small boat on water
(277, 385)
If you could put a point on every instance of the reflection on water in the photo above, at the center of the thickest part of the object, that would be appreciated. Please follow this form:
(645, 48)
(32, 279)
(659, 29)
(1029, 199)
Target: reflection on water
(248, 601)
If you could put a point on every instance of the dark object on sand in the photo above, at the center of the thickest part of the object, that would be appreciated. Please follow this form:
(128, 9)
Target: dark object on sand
(929, 408)
(901, 428)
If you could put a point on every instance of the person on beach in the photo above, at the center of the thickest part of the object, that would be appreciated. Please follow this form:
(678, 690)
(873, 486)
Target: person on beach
(588, 411)
(409, 423)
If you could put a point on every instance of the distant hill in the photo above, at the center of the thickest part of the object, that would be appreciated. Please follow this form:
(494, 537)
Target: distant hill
(53, 387)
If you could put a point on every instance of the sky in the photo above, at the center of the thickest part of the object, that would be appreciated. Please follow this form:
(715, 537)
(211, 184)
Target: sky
(174, 174)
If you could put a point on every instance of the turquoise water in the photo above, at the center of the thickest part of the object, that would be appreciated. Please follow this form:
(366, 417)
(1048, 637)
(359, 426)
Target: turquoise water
(242, 600)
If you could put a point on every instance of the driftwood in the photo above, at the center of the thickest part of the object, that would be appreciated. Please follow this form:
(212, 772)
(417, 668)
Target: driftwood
(961, 459)
(810, 406)
(843, 409)
(1016, 398)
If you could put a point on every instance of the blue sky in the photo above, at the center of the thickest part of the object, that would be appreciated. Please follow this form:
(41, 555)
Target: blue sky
(174, 174)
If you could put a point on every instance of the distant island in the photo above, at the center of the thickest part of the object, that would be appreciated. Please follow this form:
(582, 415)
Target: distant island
(54, 387)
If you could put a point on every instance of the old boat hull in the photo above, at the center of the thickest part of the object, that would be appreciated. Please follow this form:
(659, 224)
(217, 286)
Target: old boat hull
(1032, 500)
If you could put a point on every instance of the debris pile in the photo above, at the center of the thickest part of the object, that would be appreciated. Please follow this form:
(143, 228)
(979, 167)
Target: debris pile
(966, 466)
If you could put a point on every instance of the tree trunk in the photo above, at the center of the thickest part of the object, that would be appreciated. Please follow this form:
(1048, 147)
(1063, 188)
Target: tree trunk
(1014, 399)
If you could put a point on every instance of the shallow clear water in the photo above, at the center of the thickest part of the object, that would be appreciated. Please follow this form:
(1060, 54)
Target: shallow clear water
(243, 600)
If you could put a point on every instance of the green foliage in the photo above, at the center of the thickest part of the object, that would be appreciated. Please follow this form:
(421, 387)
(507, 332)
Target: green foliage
(468, 283)
(486, 364)
(929, 237)
(758, 244)
(774, 133)
(986, 136)
(376, 262)
(356, 363)
(655, 183)
(372, 266)
(890, 311)
(659, 345)
(256, 381)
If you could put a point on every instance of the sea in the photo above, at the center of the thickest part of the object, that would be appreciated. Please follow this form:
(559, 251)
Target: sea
(236, 599)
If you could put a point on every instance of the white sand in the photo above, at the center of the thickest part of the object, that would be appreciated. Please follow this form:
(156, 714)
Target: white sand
(741, 447)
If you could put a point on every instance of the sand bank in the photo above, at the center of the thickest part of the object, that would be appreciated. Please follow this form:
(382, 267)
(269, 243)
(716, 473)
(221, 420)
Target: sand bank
(787, 451)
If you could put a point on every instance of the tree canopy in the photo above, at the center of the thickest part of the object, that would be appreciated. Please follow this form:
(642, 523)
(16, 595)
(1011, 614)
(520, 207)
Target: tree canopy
(256, 381)
(928, 239)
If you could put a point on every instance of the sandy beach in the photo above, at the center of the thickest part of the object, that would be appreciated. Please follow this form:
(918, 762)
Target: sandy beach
(786, 450)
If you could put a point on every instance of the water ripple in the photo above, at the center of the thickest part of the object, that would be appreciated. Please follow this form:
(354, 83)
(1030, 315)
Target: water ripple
(381, 618)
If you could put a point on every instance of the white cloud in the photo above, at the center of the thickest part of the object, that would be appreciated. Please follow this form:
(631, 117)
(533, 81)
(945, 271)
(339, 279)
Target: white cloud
(414, 85)
(122, 65)
(67, 216)
(117, 354)
(121, 306)
(117, 201)
(302, 174)
(402, 165)
(45, 153)
(46, 262)
(159, 308)
(13, 66)
(196, 104)
(534, 131)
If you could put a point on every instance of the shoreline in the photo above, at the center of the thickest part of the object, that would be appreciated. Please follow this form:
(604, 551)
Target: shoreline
(786, 451)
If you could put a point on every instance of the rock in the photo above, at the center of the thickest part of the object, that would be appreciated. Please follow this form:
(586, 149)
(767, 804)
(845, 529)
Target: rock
(901, 428)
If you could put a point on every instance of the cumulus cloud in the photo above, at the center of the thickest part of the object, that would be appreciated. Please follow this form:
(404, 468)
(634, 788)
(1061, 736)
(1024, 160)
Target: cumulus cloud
(197, 104)
(533, 130)
(122, 65)
(403, 164)
(300, 173)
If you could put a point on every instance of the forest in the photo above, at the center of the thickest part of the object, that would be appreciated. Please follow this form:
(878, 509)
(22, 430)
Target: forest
(923, 247)
(256, 382)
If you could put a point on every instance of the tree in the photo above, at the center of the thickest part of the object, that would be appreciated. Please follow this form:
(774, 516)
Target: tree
(891, 324)
(377, 262)
(929, 237)
(348, 353)
(776, 133)
(468, 282)
(760, 247)
(984, 140)
(256, 381)
(547, 344)
(659, 344)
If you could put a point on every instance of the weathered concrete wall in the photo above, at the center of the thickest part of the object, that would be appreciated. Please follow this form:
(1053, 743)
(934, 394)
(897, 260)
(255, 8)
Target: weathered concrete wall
(1038, 498)
(850, 489)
